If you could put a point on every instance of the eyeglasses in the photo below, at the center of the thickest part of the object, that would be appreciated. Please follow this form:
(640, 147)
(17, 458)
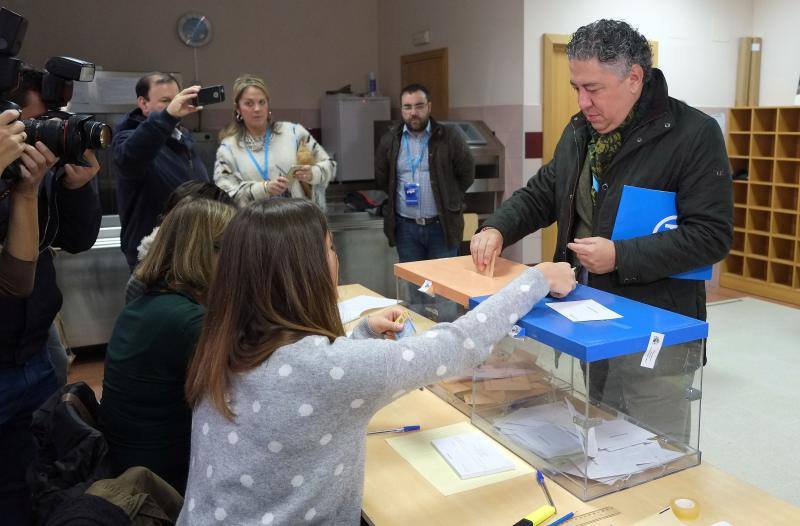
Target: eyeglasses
(418, 107)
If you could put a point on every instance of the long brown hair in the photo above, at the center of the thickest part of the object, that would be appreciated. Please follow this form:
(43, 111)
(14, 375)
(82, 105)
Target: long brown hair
(236, 126)
(274, 287)
(182, 255)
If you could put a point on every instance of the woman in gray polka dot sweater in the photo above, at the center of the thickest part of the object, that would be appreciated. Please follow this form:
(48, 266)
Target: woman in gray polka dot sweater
(282, 398)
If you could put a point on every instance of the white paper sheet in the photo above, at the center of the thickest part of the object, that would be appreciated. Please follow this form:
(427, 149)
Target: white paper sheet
(583, 310)
(472, 455)
(351, 309)
(618, 434)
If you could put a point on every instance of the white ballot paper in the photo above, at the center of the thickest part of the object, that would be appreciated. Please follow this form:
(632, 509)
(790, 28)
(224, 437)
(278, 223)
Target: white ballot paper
(351, 309)
(583, 310)
(472, 455)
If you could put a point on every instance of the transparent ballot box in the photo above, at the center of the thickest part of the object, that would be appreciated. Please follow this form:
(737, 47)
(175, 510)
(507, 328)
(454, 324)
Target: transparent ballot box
(599, 406)
(452, 282)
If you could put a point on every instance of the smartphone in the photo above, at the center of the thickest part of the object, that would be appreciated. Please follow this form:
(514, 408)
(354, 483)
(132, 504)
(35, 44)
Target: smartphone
(210, 95)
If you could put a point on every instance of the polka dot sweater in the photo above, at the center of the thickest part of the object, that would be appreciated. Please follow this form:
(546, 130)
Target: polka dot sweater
(295, 453)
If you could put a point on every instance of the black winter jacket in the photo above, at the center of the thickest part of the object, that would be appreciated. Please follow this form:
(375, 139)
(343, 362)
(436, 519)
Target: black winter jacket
(674, 148)
(151, 164)
(69, 220)
(452, 170)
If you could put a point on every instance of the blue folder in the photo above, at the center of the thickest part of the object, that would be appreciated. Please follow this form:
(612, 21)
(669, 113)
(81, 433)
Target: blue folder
(643, 212)
(597, 340)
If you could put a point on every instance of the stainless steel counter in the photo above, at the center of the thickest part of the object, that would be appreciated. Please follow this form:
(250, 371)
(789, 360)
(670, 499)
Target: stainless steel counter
(365, 256)
(93, 286)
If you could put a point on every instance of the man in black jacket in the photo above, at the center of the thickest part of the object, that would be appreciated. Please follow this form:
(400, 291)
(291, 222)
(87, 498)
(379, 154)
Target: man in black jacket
(629, 132)
(154, 155)
(425, 168)
(69, 218)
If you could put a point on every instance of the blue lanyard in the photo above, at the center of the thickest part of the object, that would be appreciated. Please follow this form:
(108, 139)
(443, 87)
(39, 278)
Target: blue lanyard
(263, 171)
(414, 165)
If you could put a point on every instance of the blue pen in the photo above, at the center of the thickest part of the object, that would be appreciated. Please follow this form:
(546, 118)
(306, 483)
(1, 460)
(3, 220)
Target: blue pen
(540, 480)
(404, 429)
(563, 519)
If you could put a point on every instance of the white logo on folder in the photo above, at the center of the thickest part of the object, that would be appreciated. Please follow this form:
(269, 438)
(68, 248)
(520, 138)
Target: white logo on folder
(668, 223)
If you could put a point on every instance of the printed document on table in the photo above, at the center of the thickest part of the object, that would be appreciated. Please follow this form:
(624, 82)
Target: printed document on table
(472, 455)
(351, 309)
(583, 310)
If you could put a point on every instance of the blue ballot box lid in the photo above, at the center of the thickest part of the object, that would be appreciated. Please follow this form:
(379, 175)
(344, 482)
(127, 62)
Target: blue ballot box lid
(596, 340)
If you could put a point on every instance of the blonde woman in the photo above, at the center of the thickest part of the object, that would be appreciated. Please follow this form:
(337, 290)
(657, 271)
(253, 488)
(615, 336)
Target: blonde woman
(143, 412)
(259, 158)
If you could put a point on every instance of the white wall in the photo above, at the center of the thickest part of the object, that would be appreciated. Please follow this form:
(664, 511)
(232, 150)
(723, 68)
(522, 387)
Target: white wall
(483, 40)
(301, 47)
(698, 40)
(776, 22)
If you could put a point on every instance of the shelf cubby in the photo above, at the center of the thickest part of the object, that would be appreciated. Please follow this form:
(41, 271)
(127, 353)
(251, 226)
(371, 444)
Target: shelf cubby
(783, 249)
(789, 120)
(740, 165)
(784, 198)
(757, 220)
(762, 145)
(760, 170)
(740, 192)
(784, 224)
(755, 268)
(780, 273)
(739, 217)
(734, 264)
(739, 144)
(757, 245)
(759, 195)
(788, 147)
(738, 241)
(764, 119)
(787, 172)
(740, 119)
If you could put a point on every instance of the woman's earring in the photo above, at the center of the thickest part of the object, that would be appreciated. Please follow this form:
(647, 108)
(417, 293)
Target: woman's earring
(238, 116)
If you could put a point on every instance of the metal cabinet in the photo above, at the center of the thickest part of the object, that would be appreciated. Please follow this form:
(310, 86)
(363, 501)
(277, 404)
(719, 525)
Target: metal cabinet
(347, 133)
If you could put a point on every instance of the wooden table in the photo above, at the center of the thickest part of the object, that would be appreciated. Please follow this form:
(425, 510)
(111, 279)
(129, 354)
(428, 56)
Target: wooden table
(395, 493)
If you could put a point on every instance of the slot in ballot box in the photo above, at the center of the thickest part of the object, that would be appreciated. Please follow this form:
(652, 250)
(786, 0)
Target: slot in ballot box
(583, 400)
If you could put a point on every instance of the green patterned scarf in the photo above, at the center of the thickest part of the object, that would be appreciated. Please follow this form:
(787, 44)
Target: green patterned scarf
(603, 148)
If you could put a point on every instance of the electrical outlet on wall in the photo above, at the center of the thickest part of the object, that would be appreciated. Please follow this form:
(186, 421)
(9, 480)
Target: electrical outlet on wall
(420, 38)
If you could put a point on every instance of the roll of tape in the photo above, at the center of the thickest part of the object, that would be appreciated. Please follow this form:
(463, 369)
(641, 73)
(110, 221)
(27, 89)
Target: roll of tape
(685, 509)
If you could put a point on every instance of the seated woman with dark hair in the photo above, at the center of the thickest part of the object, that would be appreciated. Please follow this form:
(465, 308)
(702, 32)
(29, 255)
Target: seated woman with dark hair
(144, 414)
(282, 398)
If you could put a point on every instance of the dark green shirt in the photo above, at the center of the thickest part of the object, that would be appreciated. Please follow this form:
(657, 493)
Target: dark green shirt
(144, 413)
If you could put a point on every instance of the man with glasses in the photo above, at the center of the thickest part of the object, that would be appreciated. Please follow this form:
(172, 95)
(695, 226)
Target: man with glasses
(425, 168)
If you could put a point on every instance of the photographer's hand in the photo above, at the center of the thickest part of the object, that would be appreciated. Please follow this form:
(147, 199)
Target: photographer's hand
(182, 104)
(77, 176)
(35, 164)
(12, 138)
(22, 241)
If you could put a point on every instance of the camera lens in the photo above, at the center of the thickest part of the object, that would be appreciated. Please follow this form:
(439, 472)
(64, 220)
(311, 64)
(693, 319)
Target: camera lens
(98, 134)
(48, 131)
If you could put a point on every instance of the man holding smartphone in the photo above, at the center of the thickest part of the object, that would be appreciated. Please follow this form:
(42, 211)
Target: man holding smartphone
(154, 155)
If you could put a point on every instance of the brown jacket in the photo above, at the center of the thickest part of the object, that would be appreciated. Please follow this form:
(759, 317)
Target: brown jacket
(452, 170)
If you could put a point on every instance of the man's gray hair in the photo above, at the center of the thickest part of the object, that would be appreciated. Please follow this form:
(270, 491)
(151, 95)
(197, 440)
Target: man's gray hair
(614, 43)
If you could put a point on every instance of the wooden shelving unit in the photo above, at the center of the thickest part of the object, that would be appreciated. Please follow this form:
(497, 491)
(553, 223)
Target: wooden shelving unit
(765, 255)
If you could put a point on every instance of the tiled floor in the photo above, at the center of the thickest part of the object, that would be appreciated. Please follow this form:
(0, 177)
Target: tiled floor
(749, 424)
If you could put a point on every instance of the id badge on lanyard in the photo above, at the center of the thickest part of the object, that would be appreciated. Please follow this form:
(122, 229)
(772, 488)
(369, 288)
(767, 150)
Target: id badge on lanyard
(411, 192)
